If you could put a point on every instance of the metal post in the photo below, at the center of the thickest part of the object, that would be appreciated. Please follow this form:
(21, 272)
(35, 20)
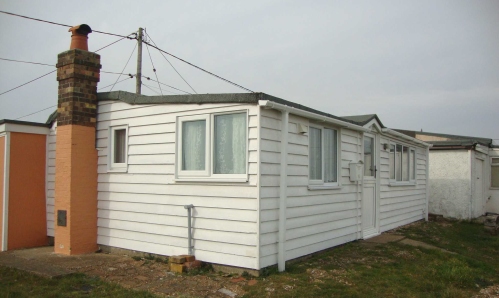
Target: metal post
(138, 78)
(189, 232)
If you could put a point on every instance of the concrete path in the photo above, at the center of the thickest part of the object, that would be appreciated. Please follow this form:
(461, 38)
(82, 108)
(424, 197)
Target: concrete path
(43, 261)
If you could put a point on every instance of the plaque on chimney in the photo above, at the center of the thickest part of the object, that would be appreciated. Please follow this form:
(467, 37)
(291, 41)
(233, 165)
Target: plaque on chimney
(61, 218)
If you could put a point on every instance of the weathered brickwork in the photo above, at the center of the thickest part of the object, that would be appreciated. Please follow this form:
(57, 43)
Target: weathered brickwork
(78, 73)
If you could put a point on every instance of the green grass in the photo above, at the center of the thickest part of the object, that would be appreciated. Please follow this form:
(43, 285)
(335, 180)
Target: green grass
(395, 270)
(15, 283)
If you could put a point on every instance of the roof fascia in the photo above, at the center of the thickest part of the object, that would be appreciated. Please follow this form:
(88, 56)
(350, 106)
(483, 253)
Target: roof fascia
(292, 110)
(405, 137)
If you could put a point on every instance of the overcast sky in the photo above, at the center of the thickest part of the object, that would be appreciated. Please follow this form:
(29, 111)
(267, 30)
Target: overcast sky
(431, 65)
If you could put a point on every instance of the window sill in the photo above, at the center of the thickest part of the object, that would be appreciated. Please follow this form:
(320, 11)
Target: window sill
(323, 187)
(402, 183)
(118, 170)
(210, 180)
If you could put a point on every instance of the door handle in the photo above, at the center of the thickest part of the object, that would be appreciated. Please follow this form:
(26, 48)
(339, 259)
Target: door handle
(375, 170)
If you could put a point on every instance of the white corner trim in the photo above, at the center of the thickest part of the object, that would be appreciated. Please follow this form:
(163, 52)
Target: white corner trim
(310, 115)
(281, 246)
(5, 195)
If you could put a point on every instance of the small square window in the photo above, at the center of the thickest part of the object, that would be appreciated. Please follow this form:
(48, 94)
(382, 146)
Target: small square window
(402, 163)
(494, 173)
(118, 151)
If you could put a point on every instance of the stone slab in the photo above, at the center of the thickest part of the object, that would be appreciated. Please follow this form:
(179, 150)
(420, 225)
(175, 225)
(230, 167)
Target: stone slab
(384, 238)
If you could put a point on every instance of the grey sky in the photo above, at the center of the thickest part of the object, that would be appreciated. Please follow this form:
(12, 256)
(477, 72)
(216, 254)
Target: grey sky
(431, 65)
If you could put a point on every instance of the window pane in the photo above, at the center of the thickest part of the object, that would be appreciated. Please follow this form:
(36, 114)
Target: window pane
(229, 156)
(119, 145)
(405, 163)
(391, 160)
(398, 163)
(315, 154)
(368, 156)
(495, 176)
(412, 168)
(193, 145)
(495, 160)
(330, 155)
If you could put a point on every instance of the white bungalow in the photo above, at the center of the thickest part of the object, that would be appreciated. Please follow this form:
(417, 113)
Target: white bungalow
(270, 180)
(464, 175)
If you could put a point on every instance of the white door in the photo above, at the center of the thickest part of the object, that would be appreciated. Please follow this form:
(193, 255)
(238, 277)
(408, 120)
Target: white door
(478, 199)
(370, 193)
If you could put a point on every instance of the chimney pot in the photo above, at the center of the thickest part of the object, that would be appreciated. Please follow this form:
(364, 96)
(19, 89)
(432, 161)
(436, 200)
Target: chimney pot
(79, 37)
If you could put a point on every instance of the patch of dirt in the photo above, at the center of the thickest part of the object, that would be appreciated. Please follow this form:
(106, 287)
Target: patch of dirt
(155, 277)
(489, 292)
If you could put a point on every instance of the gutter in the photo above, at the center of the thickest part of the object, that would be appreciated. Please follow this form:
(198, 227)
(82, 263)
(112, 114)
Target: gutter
(283, 185)
(299, 112)
(406, 137)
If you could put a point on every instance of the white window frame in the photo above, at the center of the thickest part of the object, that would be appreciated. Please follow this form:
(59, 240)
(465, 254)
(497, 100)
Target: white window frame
(207, 175)
(394, 181)
(492, 165)
(113, 166)
(184, 173)
(315, 184)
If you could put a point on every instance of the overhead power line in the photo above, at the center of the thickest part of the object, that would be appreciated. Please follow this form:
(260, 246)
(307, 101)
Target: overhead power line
(27, 62)
(51, 107)
(54, 23)
(45, 64)
(154, 69)
(148, 78)
(133, 51)
(28, 82)
(148, 36)
(210, 73)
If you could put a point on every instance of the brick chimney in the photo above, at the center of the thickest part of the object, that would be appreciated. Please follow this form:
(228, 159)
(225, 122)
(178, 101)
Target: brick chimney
(76, 156)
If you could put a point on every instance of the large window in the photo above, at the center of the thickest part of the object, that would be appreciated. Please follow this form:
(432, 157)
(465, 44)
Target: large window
(402, 163)
(118, 151)
(212, 146)
(323, 156)
(494, 173)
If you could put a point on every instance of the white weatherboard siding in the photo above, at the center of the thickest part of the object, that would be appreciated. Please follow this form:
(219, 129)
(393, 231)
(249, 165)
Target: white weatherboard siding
(143, 209)
(50, 179)
(400, 205)
(492, 204)
(450, 185)
(316, 219)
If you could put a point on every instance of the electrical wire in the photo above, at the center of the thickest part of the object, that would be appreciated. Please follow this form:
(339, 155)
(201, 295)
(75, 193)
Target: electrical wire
(28, 82)
(154, 68)
(148, 36)
(28, 62)
(54, 23)
(150, 88)
(163, 90)
(51, 107)
(130, 77)
(125, 66)
(149, 79)
(44, 64)
(204, 70)
(116, 41)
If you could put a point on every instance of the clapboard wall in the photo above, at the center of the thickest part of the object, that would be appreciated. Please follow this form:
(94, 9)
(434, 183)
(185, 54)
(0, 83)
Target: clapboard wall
(50, 179)
(401, 204)
(316, 219)
(143, 209)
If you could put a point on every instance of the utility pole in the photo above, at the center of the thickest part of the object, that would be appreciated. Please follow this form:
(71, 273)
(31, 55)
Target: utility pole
(139, 63)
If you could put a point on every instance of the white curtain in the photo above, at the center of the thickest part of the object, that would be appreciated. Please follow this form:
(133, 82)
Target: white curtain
(193, 145)
(315, 154)
(330, 155)
(229, 156)
(119, 145)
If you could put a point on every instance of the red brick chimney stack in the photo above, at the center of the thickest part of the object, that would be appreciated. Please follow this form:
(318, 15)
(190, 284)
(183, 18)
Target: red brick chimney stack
(78, 73)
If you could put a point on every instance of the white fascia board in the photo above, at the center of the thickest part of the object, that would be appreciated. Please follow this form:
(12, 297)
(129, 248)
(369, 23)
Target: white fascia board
(11, 127)
(405, 137)
(310, 115)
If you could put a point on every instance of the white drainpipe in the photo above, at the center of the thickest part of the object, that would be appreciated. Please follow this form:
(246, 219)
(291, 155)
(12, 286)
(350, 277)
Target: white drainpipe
(281, 255)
